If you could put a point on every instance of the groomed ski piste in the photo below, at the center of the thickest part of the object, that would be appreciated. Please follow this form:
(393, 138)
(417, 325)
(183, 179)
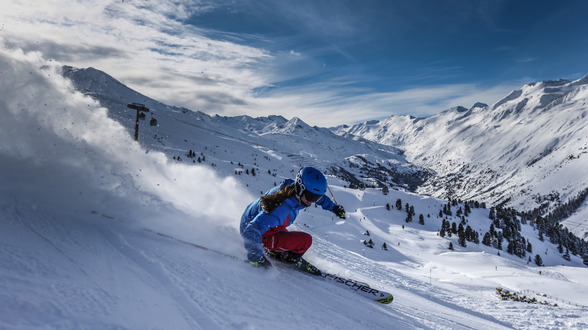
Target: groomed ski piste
(81, 204)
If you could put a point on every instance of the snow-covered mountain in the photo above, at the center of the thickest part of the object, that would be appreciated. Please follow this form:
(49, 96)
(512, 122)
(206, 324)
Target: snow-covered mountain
(82, 203)
(528, 151)
(358, 160)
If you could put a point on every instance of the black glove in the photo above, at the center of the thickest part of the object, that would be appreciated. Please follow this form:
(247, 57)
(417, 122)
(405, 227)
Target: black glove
(261, 263)
(339, 211)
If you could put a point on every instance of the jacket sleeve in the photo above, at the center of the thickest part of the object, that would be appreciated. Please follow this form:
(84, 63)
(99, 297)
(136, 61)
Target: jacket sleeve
(252, 234)
(326, 203)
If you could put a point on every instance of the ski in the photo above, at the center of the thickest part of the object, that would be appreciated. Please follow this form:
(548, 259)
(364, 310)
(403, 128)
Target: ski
(360, 288)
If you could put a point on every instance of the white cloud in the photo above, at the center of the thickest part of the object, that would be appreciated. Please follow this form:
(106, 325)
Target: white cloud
(328, 105)
(147, 46)
(144, 45)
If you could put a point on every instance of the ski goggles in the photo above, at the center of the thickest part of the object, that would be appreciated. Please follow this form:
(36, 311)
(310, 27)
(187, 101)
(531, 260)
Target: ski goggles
(310, 196)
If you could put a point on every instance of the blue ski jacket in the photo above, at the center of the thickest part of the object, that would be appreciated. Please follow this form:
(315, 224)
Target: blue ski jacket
(255, 221)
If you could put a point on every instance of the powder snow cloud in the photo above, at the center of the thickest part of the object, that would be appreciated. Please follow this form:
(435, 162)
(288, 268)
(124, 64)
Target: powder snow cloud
(61, 147)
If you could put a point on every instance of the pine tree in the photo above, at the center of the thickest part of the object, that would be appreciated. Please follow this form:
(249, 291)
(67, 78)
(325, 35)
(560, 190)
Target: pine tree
(469, 234)
(408, 218)
(445, 227)
(451, 246)
(399, 204)
(566, 256)
(538, 260)
(461, 239)
(468, 210)
(511, 247)
(487, 240)
(421, 219)
(499, 238)
(369, 243)
(460, 228)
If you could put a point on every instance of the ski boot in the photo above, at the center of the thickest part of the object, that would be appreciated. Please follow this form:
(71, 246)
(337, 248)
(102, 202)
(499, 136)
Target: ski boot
(307, 267)
(295, 259)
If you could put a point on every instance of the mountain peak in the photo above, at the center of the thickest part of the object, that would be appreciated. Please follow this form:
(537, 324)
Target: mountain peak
(479, 105)
(581, 81)
(558, 82)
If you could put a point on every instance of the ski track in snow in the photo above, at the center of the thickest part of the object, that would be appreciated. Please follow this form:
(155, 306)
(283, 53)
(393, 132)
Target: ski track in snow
(157, 273)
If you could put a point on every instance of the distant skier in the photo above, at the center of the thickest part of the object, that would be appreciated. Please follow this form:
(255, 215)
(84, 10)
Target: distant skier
(264, 222)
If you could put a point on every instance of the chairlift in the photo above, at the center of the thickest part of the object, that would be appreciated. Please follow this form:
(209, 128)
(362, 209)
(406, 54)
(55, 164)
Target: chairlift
(141, 109)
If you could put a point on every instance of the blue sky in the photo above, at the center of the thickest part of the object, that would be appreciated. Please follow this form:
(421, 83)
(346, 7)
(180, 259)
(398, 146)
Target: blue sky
(327, 62)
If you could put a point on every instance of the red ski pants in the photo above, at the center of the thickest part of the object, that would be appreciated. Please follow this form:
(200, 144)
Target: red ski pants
(295, 241)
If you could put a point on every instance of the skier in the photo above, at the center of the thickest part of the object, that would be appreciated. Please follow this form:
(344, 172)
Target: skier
(264, 222)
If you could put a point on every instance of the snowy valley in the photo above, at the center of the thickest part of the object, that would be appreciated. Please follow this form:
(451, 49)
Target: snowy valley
(82, 203)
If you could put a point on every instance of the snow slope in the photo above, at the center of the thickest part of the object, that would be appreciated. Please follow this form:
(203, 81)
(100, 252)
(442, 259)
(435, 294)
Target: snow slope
(81, 204)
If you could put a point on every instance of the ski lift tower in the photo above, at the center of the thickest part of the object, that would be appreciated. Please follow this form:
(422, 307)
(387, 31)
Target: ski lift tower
(140, 108)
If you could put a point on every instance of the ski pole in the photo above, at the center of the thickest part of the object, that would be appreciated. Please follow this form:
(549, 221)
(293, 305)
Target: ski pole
(333, 197)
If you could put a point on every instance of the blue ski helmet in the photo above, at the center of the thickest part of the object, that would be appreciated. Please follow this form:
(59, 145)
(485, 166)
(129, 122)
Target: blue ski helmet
(311, 183)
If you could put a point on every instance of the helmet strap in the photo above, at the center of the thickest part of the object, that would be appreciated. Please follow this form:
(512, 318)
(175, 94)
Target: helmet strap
(299, 192)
